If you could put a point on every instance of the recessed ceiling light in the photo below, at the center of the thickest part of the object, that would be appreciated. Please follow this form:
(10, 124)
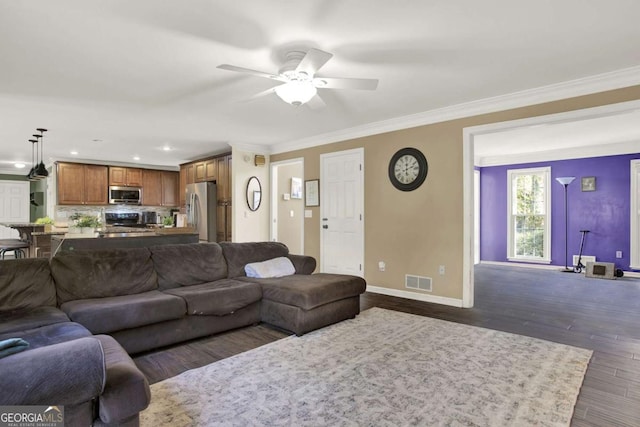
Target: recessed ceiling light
(74, 153)
(136, 157)
(166, 148)
(19, 165)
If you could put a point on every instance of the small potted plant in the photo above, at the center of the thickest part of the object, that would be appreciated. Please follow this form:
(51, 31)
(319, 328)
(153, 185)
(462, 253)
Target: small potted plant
(46, 221)
(86, 223)
(167, 221)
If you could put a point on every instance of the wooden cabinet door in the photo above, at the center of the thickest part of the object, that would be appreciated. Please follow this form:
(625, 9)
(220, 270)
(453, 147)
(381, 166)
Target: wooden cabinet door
(134, 177)
(117, 175)
(170, 188)
(190, 174)
(210, 170)
(199, 170)
(96, 185)
(222, 178)
(151, 188)
(70, 184)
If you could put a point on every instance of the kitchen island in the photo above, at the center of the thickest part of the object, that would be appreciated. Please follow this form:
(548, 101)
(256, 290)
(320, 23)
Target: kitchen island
(122, 237)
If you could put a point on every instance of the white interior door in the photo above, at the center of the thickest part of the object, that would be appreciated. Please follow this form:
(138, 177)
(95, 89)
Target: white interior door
(14, 206)
(342, 212)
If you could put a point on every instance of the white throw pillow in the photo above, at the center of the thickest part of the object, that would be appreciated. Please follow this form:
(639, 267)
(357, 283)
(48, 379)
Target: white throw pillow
(276, 267)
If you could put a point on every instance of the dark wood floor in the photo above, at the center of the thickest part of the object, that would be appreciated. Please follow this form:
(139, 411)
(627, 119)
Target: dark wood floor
(601, 315)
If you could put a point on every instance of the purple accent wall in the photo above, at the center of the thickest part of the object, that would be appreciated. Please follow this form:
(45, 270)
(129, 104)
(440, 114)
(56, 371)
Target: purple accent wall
(605, 212)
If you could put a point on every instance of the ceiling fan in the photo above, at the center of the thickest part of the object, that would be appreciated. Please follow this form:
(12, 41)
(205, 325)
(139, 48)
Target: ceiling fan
(300, 86)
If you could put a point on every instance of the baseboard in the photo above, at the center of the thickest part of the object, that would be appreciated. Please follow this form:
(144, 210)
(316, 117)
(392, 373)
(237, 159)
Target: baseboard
(415, 296)
(634, 274)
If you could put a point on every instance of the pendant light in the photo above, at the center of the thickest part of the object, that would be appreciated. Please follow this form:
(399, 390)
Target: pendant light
(41, 170)
(32, 173)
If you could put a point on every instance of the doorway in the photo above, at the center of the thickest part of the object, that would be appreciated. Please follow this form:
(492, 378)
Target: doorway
(287, 210)
(342, 212)
(14, 206)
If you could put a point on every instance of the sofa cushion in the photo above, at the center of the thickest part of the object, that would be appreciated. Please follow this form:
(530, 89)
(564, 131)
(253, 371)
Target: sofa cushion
(240, 254)
(26, 283)
(188, 264)
(104, 315)
(103, 273)
(66, 373)
(50, 334)
(310, 291)
(218, 298)
(20, 320)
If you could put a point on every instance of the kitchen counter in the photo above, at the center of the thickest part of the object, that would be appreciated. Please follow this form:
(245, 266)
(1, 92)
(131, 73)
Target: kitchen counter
(115, 237)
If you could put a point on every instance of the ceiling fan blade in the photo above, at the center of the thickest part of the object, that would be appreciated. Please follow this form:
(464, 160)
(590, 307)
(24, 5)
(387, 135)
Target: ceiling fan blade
(263, 93)
(345, 83)
(250, 71)
(313, 61)
(316, 103)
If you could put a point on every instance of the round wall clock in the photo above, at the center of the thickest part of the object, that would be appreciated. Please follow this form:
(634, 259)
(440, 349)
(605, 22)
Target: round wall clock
(408, 169)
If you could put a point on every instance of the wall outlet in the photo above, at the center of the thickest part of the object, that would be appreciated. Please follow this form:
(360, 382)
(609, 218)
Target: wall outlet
(618, 254)
(382, 266)
(441, 270)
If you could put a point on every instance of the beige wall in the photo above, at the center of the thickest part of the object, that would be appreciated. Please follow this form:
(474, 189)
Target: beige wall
(290, 227)
(417, 231)
(249, 226)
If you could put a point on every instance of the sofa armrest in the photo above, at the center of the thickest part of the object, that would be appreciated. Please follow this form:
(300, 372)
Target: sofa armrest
(67, 373)
(303, 264)
(126, 391)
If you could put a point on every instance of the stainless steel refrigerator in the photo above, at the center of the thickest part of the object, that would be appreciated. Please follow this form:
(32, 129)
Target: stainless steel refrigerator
(201, 209)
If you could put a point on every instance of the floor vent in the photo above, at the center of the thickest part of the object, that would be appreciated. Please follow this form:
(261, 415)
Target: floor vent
(585, 259)
(417, 282)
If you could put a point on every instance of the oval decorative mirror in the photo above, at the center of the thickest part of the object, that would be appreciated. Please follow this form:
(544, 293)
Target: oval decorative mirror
(254, 193)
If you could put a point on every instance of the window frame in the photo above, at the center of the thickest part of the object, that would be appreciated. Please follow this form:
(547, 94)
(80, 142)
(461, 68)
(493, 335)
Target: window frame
(546, 245)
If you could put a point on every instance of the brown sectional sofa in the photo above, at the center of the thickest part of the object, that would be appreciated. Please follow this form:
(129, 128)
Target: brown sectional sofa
(143, 298)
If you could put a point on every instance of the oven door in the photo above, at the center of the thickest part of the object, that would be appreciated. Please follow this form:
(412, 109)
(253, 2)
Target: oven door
(125, 195)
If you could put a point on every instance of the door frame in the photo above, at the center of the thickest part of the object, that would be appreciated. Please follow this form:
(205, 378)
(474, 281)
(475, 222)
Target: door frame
(275, 199)
(634, 202)
(323, 194)
(468, 163)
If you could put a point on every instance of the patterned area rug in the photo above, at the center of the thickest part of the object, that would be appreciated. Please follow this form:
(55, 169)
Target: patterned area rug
(384, 368)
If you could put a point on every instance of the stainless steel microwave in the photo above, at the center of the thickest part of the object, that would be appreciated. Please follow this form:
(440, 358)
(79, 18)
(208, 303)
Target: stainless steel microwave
(125, 195)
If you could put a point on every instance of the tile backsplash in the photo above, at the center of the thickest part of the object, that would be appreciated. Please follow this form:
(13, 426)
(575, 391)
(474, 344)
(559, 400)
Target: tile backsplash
(63, 212)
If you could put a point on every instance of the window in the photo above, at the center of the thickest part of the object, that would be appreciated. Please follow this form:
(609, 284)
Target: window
(529, 215)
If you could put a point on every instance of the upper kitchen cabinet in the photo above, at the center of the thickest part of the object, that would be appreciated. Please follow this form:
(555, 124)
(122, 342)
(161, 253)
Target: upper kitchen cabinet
(80, 184)
(205, 170)
(151, 188)
(125, 177)
(159, 188)
(170, 193)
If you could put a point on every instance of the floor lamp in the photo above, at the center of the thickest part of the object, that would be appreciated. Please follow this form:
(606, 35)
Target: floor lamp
(565, 181)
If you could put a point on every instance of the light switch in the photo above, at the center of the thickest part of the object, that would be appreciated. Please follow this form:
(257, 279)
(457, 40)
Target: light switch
(291, 213)
(308, 213)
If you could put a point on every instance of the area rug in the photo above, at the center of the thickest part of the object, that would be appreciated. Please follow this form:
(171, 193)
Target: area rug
(384, 368)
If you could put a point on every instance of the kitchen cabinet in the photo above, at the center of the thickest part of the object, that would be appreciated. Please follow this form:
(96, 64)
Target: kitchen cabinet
(199, 171)
(159, 188)
(210, 170)
(182, 190)
(151, 188)
(80, 184)
(126, 177)
(223, 214)
(170, 182)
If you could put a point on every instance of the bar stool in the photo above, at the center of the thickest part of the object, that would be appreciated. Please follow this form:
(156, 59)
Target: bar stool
(13, 245)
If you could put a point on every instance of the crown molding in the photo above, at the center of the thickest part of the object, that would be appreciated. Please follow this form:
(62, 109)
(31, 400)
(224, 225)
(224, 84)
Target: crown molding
(615, 149)
(569, 89)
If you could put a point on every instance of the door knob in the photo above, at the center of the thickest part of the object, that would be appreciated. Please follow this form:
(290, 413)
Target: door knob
(325, 226)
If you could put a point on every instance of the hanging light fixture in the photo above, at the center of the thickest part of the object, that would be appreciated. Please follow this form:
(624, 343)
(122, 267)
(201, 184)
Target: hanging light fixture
(41, 170)
(31, 174)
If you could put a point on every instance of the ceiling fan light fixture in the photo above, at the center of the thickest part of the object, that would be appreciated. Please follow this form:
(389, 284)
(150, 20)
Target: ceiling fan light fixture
(296, 92)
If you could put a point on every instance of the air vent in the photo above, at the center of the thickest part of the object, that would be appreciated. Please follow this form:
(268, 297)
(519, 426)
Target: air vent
(585, 259)
(417, 282)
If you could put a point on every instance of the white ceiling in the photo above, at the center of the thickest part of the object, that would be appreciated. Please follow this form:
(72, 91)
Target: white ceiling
(119, 78)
